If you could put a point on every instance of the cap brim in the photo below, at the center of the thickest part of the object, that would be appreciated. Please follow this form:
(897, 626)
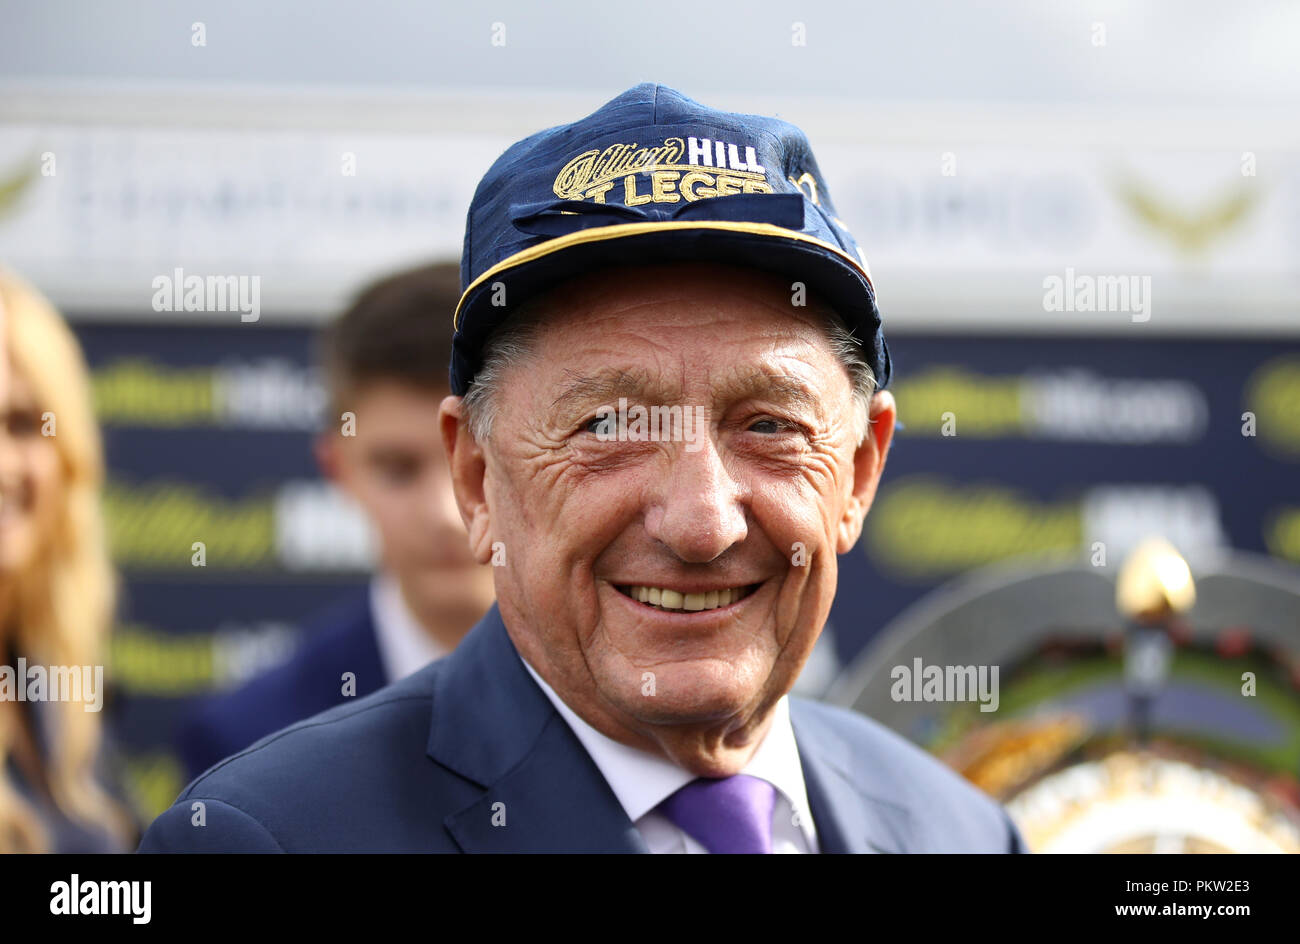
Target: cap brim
(826, 270)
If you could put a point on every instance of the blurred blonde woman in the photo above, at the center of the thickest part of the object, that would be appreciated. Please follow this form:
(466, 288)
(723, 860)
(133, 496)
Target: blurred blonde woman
(56, 585)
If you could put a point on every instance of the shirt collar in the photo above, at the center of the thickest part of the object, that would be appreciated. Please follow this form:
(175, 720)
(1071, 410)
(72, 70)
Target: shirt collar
(404, 646)
(641, 780)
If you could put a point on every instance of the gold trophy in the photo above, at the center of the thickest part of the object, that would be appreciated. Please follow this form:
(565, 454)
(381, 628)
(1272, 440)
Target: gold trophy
(1153, 589)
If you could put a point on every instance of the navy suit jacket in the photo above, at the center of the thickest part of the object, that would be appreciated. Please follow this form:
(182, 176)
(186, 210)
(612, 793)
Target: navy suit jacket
(342, 640)
(469, 755)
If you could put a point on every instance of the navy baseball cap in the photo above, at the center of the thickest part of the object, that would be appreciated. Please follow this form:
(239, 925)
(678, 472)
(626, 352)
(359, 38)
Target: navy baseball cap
(653, 176)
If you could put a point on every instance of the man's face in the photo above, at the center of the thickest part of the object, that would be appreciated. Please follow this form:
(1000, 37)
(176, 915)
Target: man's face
(753, 510)
(395, 468)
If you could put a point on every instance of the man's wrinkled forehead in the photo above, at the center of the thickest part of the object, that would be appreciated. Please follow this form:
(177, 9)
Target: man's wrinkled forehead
(707, 334)
(649, 307)
(579, 390)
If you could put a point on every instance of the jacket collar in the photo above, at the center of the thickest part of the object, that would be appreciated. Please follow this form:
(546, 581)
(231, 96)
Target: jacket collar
(495, 727)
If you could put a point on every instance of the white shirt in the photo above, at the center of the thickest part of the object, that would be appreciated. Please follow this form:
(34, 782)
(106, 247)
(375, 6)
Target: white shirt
(641, 781)
(404, 646)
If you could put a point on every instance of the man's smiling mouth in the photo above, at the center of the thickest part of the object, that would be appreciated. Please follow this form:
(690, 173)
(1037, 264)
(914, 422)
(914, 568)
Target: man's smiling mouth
(674, 601)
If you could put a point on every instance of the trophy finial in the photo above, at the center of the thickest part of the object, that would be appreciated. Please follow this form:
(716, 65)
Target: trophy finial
(1154, 583)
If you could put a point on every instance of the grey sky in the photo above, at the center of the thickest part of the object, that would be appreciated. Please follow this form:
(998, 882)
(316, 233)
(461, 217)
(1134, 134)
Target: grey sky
(1021, 51)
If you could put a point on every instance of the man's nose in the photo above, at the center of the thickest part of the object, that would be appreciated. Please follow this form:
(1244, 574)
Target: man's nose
(698, 513)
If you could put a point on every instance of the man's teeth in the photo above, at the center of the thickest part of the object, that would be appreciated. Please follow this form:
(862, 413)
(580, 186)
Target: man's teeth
(673, 600)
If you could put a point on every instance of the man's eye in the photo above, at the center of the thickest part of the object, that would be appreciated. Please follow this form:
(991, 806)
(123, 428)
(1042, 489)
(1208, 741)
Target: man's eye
(768, 426)
(601, 424)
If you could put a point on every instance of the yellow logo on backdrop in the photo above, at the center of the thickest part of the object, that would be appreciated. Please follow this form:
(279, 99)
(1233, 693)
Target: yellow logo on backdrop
(1282, 533)
(659, 175)
(925, 528)
(1192, 231)
(1273, 395)
(153, 524)
(139, 391)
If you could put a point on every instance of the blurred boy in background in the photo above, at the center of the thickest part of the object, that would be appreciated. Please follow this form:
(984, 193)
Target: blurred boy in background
(385, 362)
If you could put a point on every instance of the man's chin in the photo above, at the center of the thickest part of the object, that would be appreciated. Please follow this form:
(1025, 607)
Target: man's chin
(684, 693)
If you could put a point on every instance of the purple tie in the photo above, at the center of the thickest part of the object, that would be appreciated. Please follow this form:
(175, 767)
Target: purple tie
(730, 815)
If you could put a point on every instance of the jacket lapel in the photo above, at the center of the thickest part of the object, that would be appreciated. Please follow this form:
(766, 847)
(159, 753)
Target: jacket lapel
(541, 790)
(848, 818)
(554, 801)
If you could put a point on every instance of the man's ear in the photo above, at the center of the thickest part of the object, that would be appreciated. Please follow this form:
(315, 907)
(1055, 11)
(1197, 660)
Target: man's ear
(468, 476)
(868, 464)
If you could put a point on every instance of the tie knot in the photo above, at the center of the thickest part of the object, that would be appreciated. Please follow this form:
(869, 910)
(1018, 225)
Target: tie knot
(727, 815)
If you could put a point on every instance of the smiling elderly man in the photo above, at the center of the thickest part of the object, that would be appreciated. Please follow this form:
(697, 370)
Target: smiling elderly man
(659, 585)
